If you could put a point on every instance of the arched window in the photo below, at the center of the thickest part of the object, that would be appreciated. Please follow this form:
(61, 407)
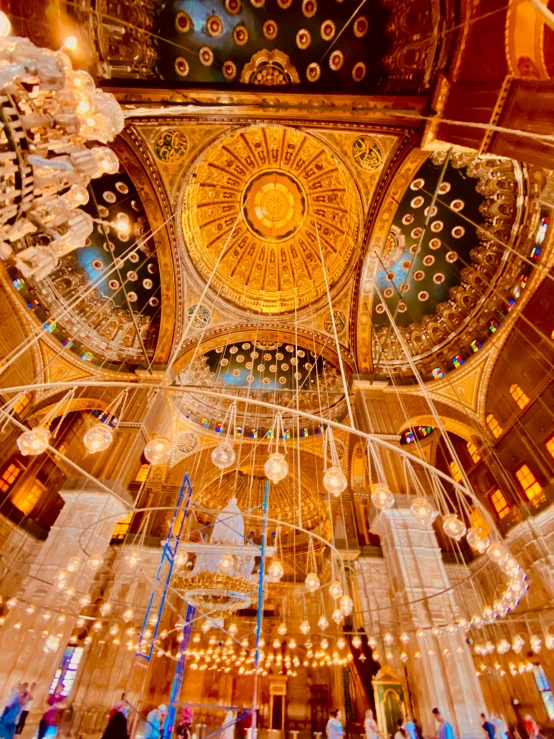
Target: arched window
(473, 452)
(455, 471)
(519, 396)
(531, 486)
(494, 426)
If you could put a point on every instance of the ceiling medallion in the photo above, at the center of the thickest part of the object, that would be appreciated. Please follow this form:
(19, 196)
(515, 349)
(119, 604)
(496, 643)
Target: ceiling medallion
(336, 60)
(361, 26)
(229, 70)
(313, 72)
(214, 26)
(270, 29)
(359, 71)
(206, 56)
(240, 35)
(183, 22)
(309, 8)
(303, 38)
(328, 29)
(259, 193)
(367, 153)
(233, 7)
(269, 68)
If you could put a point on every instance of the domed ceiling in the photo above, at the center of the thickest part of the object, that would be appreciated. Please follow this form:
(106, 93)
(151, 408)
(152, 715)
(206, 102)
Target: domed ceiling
(259, 207)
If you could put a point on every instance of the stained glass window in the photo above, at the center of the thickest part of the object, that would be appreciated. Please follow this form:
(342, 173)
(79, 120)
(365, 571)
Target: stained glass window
(531, 487)
(519, 396)
(545, 690)
(473, 451)
(67, 670)
(455, 471)
(500, 504)
(9, 476)
(494, 426)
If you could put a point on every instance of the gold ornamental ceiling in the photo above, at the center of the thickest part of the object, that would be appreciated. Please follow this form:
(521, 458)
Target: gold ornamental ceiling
(261, 206)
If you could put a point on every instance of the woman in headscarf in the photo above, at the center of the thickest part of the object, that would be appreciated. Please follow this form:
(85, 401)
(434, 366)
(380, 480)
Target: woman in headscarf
(117, 725)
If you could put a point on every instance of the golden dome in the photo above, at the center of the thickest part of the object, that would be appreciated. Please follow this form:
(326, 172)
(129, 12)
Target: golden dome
(261, 201)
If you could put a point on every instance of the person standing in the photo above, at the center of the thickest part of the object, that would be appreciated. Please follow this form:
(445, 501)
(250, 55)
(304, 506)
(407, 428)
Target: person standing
(445, 730)
(370, 725)
(500, 728)
(334, 725)
(488, 726)
(117, 725)
(53, 703)
(154, 722)
(10, 716)
(25, 708)
(530, 726)
(411, 728)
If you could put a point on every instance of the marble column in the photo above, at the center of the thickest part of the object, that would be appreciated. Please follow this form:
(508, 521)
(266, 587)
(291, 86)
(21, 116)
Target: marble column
(39, 627)
(440, 668)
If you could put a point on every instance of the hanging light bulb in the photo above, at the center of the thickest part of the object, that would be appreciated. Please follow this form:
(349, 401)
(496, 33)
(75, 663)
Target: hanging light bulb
(403, 657)
(334, 481)
(181, 558)
(98, 438)
(61, 576)
(422, 510)
(105, 609)
(477, 540)
(132, 558)
(233, 629)
(312, 582)
(97, 626)
(205, 626)
(337, 616)
(498, 552)
(335, 589)
(323, 623)
(292, 643)
(282, 629)
(535, 643)
(381, 497)
(276, 570)
(356, 642)
(404, 637)
(372, 641)
(488, 613)
(5, 25)
(226, 561)
(276, 644)
(127, 615)
(388, 639)
(276, 468)
(453, 526)
(114, 630)
(95, 561)
(80, 622)
(305, 627)
(346, 604)
(341, 642)
(503, 646)
(223, 455)
(549, 641)
(33, 442)
(73, 564)
(84, 601)
(158, 450)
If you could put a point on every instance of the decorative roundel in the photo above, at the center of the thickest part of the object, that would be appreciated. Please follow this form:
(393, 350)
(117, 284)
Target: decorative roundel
(438, 278)
(261, 368)
(224, 362)
(270, 29)
(122, 188)
(328, 30)
(340, 322)
(152, 269)
(236, 373)
(103, 212)
(229, 70)
(336, 60)
(294, 361)
(282, 380)
(206, 56)
(233, 7)
(458, 232)
(134, 258)
(423, 295)
(279, 356)
(457, 205)
(388, 292)
(240, 35)
(313, 72)
(147, 284)
(239, 358)
(380, 308)
(109, 196)
(182, 66)
(250, 378)
(435, 243)
(417, 202)
(254, 354)
(266, 380)
(309, 8)
(132, 297)
(119, 263)
(220, 349)
(233, 350)
(97, 263)
(154, 302)
(437, 226)
(433, 210)
(284, 4)
(419, 274)
(404, 287)
(402, 307)
(249, 365)
(246, 346)
(358, 71)
(303, 38)
(267, 357)
(200, 317)
(113, 284)
(444, 187)
(414, 249)
(297, 375)
(285, 367)
(416, 232)
(391, 276)
(289, 348)
(308, 366)
(214, 26)
(361, 26)
(273, 368)
(417, 184)
(428, 260)
(408, 219)
(451, 257)
(187, 442)
(183, 22)
(406, 264)
(123, 236)
(132, 275)
(301, 353)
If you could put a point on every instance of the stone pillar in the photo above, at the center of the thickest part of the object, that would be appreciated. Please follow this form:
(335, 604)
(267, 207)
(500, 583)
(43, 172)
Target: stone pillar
(440, 669)
(87, 520)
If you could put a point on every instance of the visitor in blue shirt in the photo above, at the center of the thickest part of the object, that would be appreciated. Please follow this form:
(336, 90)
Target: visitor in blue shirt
(488, 726)
(445, 727)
